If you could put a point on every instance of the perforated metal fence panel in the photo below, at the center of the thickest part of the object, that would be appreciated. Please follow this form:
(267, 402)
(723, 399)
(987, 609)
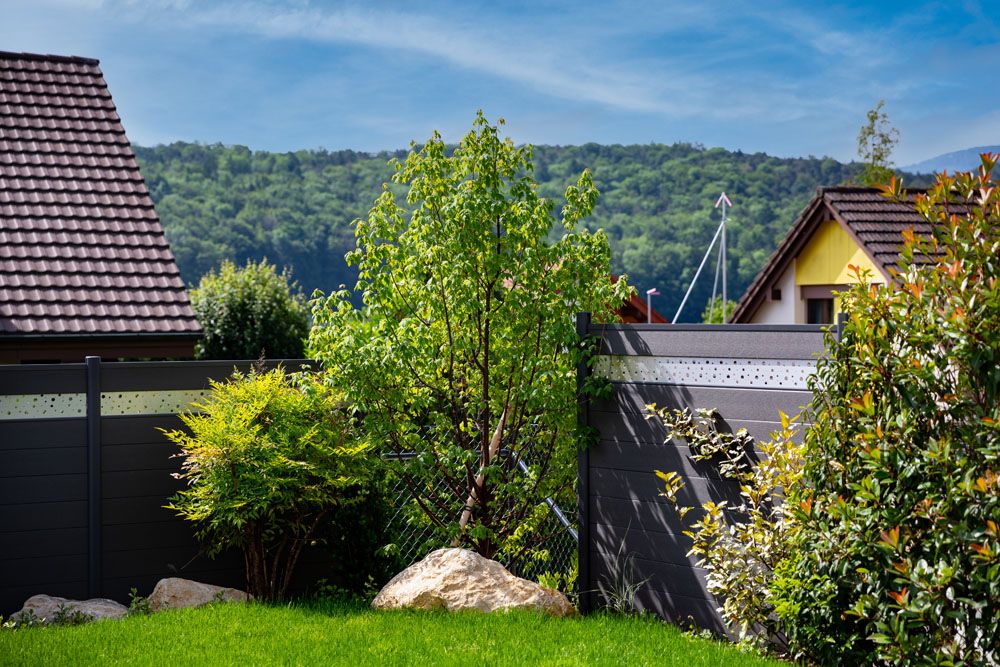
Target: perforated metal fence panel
(747, 373)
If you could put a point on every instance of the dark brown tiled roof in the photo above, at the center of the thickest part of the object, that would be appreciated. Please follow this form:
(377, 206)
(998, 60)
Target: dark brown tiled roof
(81, 247)
(874, 220)
(877, 222)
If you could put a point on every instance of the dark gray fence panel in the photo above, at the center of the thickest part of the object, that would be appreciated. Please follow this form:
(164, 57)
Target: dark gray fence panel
(627, 513)
(44, 475)
(43, 467)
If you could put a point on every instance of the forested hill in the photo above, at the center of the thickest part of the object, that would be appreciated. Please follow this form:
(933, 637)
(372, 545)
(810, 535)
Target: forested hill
(656, 205)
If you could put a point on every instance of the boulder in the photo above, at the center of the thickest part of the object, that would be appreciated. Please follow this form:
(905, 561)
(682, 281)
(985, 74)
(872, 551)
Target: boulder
(50, 609)
(177, 593)
(457, 579)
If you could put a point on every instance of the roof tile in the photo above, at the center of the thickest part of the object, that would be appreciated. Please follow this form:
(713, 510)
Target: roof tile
(81, 246)
(875, 220)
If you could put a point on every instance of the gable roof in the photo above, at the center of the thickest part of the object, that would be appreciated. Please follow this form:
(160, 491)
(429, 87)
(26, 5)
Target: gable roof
(636, 311)
(81, 247)
(874, 221)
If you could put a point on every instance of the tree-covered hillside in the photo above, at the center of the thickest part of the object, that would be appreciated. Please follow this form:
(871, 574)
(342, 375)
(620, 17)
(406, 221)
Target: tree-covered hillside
(656, 204)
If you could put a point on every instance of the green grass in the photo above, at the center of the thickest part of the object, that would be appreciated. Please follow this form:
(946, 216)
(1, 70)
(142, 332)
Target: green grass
(324, 633)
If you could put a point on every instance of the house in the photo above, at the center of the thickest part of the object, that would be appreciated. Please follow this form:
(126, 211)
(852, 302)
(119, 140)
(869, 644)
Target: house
(637, 311)
(841, 226)
(84, 266)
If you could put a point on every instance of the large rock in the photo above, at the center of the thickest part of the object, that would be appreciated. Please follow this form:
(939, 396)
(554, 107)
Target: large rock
(456, 579)
(50, 609)
(177, 593)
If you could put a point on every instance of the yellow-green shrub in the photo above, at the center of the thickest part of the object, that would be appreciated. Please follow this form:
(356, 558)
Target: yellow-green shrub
(267, 459)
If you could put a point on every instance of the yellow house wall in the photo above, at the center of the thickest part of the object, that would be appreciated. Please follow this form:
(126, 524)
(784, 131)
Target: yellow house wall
(824, 260)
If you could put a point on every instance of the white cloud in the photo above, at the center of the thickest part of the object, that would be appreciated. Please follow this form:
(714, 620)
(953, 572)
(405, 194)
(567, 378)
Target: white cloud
(514, 55)
(699, 70)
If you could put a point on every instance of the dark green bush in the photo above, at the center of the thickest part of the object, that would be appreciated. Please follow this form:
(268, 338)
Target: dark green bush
(897, 556)
(249, 312)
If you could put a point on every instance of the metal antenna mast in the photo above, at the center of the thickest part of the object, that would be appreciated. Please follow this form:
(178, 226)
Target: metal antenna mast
(723, 201)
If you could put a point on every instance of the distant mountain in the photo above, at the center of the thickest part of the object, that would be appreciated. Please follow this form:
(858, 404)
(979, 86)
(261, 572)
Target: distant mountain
(964, 160)
(656, 205)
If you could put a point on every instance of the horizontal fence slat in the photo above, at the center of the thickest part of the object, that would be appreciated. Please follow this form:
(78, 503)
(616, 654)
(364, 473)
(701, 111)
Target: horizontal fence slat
(149, 376)
(42, 516)
(680, 579)
(654, 514)
(128, 536)
(41, 543)
(43, 489)
(137, 428)
(646, 458)
(142, 456)
(176, 561)
(727, 342)
(42, 462)
(43, 379)
(124, 484)
(137, 509)
(43, 433)
(663, 547)
(629, 427)
(645, 485)
(42, 570)
(732, 404)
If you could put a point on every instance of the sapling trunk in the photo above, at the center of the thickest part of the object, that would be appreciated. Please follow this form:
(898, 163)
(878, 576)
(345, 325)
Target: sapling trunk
(473, 499)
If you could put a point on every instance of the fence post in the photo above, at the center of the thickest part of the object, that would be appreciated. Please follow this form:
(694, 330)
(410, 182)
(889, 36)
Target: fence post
(583, 580)
(841, 323)
(94, 476)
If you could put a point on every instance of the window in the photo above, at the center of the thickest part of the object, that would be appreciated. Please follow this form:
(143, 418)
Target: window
(819, 311)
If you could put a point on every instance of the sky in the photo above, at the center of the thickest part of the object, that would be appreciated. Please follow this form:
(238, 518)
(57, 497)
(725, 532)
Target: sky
(788, 78)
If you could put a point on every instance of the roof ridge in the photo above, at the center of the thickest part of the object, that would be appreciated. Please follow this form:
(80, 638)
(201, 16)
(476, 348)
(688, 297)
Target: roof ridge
(847, 188)
(860, 188)
(14, 55)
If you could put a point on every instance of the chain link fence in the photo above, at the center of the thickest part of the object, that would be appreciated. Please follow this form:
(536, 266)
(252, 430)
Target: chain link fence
(554, 556)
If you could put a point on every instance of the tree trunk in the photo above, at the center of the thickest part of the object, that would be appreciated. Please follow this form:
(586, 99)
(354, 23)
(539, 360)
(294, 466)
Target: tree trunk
(473, 499)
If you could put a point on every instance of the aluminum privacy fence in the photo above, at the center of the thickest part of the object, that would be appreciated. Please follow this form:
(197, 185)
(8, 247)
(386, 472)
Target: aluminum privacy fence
(748, 374)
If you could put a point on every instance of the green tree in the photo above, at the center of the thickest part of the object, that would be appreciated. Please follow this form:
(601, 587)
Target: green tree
(713, 311)
(876, 140)
(466, 352)
(250, 312)
(898, 556)
(266, 463)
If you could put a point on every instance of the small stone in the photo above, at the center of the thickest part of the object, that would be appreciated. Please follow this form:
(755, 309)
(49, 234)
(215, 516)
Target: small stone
(177, 593)
(48, 609)
(457, 579)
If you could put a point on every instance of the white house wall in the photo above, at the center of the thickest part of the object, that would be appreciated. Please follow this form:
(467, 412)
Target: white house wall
(785, 311)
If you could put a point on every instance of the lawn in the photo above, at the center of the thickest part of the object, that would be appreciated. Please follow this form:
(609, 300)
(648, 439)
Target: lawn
(328, 632)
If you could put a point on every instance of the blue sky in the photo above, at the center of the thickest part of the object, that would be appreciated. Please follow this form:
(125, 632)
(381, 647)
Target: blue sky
(788, 78)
